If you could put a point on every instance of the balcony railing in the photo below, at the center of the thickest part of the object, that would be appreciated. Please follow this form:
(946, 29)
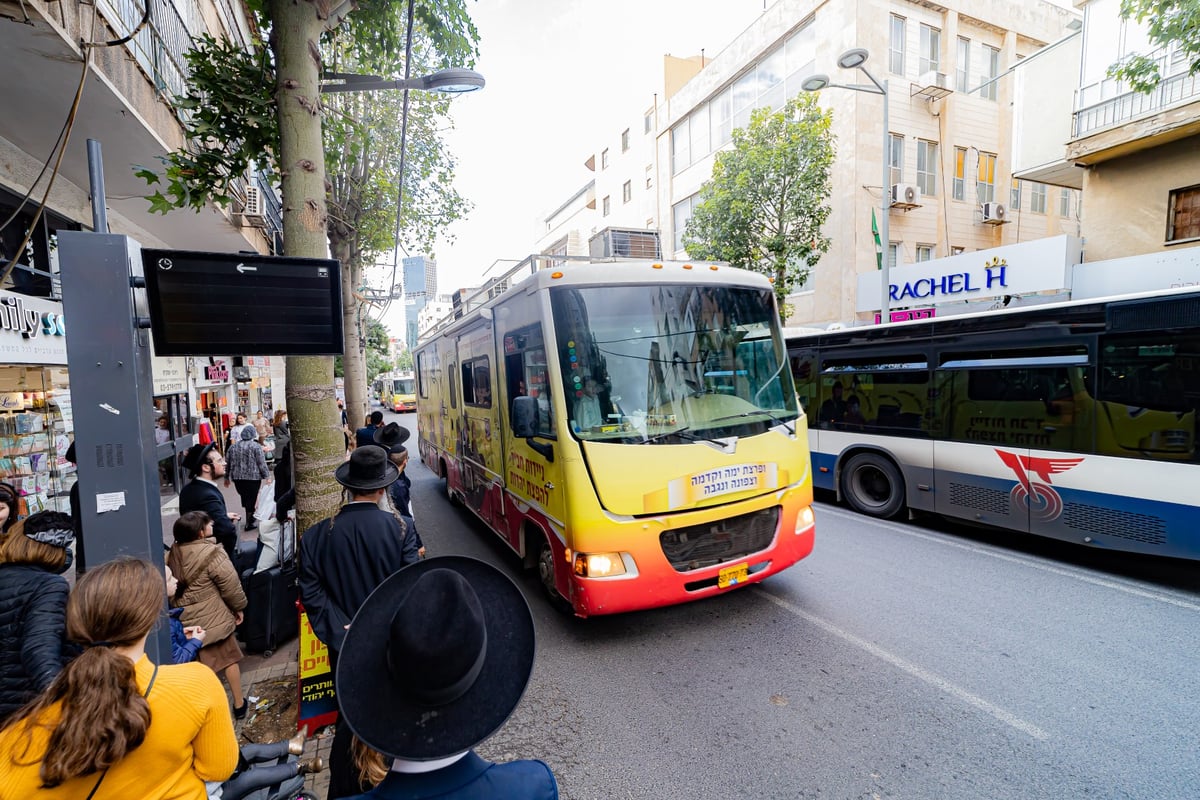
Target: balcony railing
(1173, 90)
(159, 47)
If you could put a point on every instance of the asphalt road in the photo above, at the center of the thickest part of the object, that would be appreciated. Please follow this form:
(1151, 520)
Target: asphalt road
(900, 660)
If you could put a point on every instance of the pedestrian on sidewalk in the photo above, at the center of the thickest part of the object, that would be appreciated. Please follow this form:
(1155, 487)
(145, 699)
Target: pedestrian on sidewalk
(185, 642)
(33, 606)
(435, 661)
(202, 493)
(113, 724)
(342, 560)
(366, 434)
(211, 596)
(247, 468)
(391, 437)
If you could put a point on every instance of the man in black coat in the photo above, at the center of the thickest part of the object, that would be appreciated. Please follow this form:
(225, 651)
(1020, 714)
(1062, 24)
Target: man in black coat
(342, 560)
(202, 494)
(366, 434)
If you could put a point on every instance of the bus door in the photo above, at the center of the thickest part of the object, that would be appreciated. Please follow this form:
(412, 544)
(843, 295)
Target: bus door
(1007, 424)
(478, 448)
(534, 467)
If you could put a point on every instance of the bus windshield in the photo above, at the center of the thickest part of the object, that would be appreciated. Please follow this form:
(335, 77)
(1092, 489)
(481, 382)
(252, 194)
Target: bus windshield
(671, 364)
(404, 386)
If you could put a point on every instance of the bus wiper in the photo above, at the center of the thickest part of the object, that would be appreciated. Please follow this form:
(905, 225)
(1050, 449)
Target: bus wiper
(777, 420)
(686, 434)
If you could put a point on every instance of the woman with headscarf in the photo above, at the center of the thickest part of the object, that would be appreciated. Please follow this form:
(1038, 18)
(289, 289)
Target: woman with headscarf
(246, 466)
(113, 724)
(33, 603)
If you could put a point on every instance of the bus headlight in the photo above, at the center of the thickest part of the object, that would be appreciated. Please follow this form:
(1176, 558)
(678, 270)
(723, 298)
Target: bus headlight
(805, 520)
(598, 565)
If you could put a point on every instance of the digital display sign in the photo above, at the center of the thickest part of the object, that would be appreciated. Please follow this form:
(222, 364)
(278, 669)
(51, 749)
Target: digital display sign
(248, 304)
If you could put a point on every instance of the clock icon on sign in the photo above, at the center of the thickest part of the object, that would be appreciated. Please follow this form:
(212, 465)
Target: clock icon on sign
(165, 263)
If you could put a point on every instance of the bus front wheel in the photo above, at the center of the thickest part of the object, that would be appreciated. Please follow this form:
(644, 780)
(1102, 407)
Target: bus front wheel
(873, 485)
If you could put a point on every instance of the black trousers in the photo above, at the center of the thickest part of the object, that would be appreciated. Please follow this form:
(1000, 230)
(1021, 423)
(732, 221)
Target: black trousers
(343, 774)
(248, 491)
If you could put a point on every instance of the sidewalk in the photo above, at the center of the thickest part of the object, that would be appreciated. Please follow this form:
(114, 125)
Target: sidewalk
(283, 663)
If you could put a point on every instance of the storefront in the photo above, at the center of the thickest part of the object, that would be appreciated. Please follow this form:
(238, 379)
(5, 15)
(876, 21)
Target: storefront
(172, 422)
(36, 423)
(215, 400)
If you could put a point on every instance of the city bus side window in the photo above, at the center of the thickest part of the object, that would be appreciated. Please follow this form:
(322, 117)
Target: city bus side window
(804, 373)
(1148, 396)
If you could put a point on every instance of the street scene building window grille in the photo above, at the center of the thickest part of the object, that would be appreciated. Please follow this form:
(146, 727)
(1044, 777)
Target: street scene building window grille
(931, 49)
(1183, 221)
(927, 161)
(925, 252)
(623, 243)
(896, 33)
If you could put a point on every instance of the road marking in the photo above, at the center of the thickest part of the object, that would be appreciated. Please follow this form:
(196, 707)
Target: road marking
(1025, 562)
(920, 673)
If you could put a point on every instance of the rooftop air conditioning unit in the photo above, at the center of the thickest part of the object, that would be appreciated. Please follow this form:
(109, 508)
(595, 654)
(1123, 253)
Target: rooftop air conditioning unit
(252, 209)
(905, 195)
(994, 214)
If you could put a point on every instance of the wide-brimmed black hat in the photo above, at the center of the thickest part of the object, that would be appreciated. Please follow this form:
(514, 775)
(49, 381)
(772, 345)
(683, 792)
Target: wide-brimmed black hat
(436, 659)
(391, 436)
(367, 470)
(195, 457)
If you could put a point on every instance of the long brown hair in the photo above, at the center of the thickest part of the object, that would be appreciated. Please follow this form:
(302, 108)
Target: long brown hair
(104, 715)
(371, 764)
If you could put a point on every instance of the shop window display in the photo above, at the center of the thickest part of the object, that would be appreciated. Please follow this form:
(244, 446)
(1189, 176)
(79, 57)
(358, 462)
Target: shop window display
(36, 428)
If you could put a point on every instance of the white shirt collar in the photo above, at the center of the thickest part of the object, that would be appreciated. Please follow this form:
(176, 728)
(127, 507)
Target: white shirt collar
(415, 767)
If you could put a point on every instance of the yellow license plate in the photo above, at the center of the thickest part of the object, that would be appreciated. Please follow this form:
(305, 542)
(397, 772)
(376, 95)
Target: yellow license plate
(732, 576)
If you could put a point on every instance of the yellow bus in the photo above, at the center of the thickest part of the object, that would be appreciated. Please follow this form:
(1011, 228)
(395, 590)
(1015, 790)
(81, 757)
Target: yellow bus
(629, 429)
(397, 391)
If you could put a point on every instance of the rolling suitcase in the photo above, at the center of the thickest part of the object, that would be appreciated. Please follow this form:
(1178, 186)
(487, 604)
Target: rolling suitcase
(271, 617)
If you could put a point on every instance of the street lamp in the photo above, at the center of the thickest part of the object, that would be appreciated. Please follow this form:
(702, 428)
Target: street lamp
(455, 80)
(854, 59)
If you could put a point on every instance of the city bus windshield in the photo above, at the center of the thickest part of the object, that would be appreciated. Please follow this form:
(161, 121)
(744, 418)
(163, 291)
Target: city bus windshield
(671, 364)
(404, 386)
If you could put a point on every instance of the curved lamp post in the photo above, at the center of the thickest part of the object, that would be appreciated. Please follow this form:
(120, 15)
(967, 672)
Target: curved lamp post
(854, 59)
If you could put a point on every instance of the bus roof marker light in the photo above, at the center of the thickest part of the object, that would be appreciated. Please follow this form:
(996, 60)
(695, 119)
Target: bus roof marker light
(656, 266)
(555, 275)
(713, 267)
(687, 266)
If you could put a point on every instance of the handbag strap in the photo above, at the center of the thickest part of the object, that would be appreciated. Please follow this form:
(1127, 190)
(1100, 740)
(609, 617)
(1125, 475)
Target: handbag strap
(145, 694)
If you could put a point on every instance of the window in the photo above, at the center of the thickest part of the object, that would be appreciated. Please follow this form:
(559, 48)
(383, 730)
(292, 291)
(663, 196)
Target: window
(1183, 218)
(648, 122)
(1064, 203)
(1014, 197)
(960, 172)
(893, 254)
(681, 212)
(991, 71)
(962, 67)
(895, 159)
(625, 140)
(1156, 374)
(606, 205)
(604, 159)
(931, 50)
(627, 192)
(925, 252)
(525, 368)
(1037, 198)
(681, 146)
(985, 184)
(896, 45)
(957, 251)
(649, 176)
(927, 159)
(720, 113)
(477, 382)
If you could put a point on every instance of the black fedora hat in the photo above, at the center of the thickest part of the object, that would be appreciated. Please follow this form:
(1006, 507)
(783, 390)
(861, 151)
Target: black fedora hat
(367, 470)
(436, 659)
(391, 436)
(195, 457)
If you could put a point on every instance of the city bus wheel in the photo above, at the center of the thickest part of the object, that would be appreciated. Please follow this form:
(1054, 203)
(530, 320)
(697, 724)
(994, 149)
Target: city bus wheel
(873, 485)
(545, 574)
(450, 495)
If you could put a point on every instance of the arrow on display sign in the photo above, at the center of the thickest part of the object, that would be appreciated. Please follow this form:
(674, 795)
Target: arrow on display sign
(243, 269)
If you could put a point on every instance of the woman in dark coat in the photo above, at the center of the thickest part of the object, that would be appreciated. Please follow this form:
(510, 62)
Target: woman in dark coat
(33, 606)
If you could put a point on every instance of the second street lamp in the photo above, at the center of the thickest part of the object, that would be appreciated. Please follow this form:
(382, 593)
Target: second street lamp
(854, 59)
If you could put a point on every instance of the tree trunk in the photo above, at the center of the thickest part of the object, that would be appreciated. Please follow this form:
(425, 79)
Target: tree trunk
(317, 442)
(354, 360)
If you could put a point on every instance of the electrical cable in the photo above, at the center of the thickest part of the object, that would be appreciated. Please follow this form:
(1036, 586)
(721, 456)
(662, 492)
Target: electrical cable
(87, 64)
(137, 29)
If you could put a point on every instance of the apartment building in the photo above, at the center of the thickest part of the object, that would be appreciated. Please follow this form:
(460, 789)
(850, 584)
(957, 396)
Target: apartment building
(1135, 156)
(950, 188)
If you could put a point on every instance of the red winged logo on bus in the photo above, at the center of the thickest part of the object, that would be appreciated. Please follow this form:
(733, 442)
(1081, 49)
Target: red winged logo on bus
(1039, 499)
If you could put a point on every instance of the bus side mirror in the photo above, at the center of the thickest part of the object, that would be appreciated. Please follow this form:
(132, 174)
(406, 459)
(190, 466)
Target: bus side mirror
(524, 416)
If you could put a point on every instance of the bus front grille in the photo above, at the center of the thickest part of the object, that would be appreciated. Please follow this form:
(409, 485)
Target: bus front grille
(699, 546)
(1109, 522)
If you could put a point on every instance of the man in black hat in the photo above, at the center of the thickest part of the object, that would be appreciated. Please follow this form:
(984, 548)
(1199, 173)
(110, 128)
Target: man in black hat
(435, 661)
(342, 560)
(207, 466)
(391, 437)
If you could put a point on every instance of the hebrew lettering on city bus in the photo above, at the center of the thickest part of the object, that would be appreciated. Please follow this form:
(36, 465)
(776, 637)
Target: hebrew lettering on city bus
(671, 363)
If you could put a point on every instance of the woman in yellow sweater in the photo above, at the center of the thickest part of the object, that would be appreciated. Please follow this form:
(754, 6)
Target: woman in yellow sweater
(113, 724)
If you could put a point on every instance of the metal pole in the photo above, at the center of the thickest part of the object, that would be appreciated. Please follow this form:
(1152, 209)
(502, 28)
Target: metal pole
(886, 276)
(96, 179)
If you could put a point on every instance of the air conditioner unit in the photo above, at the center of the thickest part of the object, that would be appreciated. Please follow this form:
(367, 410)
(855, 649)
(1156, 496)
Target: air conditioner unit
(931, 85)
(905, 195)
(994, 214)
(936, 80)
(252, 209)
